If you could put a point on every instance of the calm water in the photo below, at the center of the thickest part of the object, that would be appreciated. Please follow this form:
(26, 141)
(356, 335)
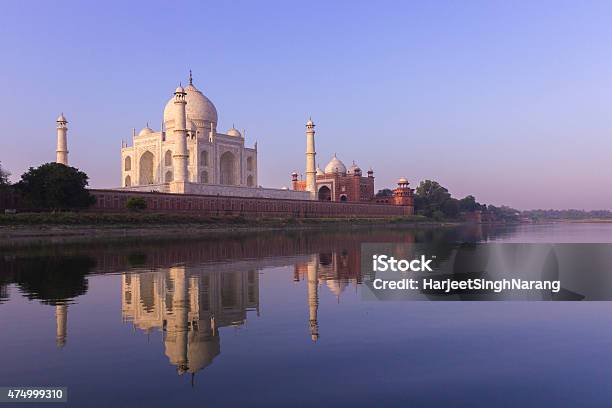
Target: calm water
(277, 320)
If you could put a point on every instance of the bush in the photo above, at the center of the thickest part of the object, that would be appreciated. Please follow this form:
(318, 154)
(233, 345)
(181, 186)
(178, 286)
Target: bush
(136, 204)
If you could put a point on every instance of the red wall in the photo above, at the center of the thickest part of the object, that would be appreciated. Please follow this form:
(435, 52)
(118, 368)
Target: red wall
(115, 201)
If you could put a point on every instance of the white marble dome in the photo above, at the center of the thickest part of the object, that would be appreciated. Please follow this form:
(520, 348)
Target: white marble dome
(234, 132)
(198, 107)
(335, 165)
(402, 180)
(145, 131)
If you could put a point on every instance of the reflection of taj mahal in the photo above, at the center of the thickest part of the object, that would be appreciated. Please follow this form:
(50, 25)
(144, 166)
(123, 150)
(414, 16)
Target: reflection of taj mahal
(189, 306)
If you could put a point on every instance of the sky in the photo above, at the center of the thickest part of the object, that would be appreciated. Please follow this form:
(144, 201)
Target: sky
(507, 101)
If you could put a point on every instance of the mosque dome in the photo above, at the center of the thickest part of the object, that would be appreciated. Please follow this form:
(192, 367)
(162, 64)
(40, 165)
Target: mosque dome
(402, 180)
(354, 169)
(198, 107)
(335, 165)
(234, 132)
(145, 131)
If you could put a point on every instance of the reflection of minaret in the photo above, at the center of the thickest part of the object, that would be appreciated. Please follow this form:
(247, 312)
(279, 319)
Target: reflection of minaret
(179, 327)
(189, 305)
(313, 298)
(61, 319)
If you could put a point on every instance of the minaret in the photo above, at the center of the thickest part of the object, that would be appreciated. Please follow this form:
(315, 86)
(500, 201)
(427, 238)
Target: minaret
(311, 172)
(61, 319)
(62, 140)
(180, 155)
(313, 299)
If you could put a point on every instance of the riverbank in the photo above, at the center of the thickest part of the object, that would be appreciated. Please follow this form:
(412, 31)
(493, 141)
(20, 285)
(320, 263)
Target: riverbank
(28, 229)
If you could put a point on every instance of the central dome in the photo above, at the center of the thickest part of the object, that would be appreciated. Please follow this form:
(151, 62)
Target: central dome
(199, 108)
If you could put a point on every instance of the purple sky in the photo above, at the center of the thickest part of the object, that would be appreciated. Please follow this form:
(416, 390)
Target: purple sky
(509, 101)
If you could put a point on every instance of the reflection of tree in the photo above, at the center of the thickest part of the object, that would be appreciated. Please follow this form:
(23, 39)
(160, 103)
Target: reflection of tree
(52, 280)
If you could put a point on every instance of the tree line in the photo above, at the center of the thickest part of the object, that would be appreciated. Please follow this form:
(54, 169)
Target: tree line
(434, 201)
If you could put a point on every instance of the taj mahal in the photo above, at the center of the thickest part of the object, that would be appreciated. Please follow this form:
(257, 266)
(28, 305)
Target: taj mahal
(189, 155)
(212, 157)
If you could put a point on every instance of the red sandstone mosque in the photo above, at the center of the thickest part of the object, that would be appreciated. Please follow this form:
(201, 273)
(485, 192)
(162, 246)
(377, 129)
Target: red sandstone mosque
(337, 183)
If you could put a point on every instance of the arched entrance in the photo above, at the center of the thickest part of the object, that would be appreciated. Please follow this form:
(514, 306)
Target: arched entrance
(146, 168)
(227, 166)
(128, 181)
(343, 197)
(324, 194)
(168, 177)
(250, 181)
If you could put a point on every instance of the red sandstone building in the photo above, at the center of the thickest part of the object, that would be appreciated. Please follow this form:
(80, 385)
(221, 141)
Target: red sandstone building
(337, 183)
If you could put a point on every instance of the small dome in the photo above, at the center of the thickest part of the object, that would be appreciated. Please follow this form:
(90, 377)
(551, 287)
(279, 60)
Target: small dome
(145, 131)
(402, 180)
(234, 132)
(61, 118)
(335, 165)
(310, 122)
(284, 188)
(354, 169)
(179, 89)
(319, 171)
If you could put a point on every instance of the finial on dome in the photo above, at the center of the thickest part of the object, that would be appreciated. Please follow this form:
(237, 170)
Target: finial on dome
(190, 78)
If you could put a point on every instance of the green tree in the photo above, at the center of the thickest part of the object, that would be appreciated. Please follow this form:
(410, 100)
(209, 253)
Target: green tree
(136, 204)
(468, 203)
(54, 186)
(450, 208)
(385, 192)
(4, 175)
(429, 197)
(503, 213)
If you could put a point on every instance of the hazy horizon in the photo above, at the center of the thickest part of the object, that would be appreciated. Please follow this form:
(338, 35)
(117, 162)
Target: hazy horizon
(507, 102)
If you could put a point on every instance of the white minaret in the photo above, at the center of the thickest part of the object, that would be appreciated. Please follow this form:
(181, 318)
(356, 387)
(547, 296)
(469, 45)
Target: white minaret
(62, 140)
(180, 137)
(311, 172)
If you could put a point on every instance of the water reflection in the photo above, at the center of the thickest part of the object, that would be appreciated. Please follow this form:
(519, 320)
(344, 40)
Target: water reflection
(186, 296)
(188, 290)
(189, 304)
